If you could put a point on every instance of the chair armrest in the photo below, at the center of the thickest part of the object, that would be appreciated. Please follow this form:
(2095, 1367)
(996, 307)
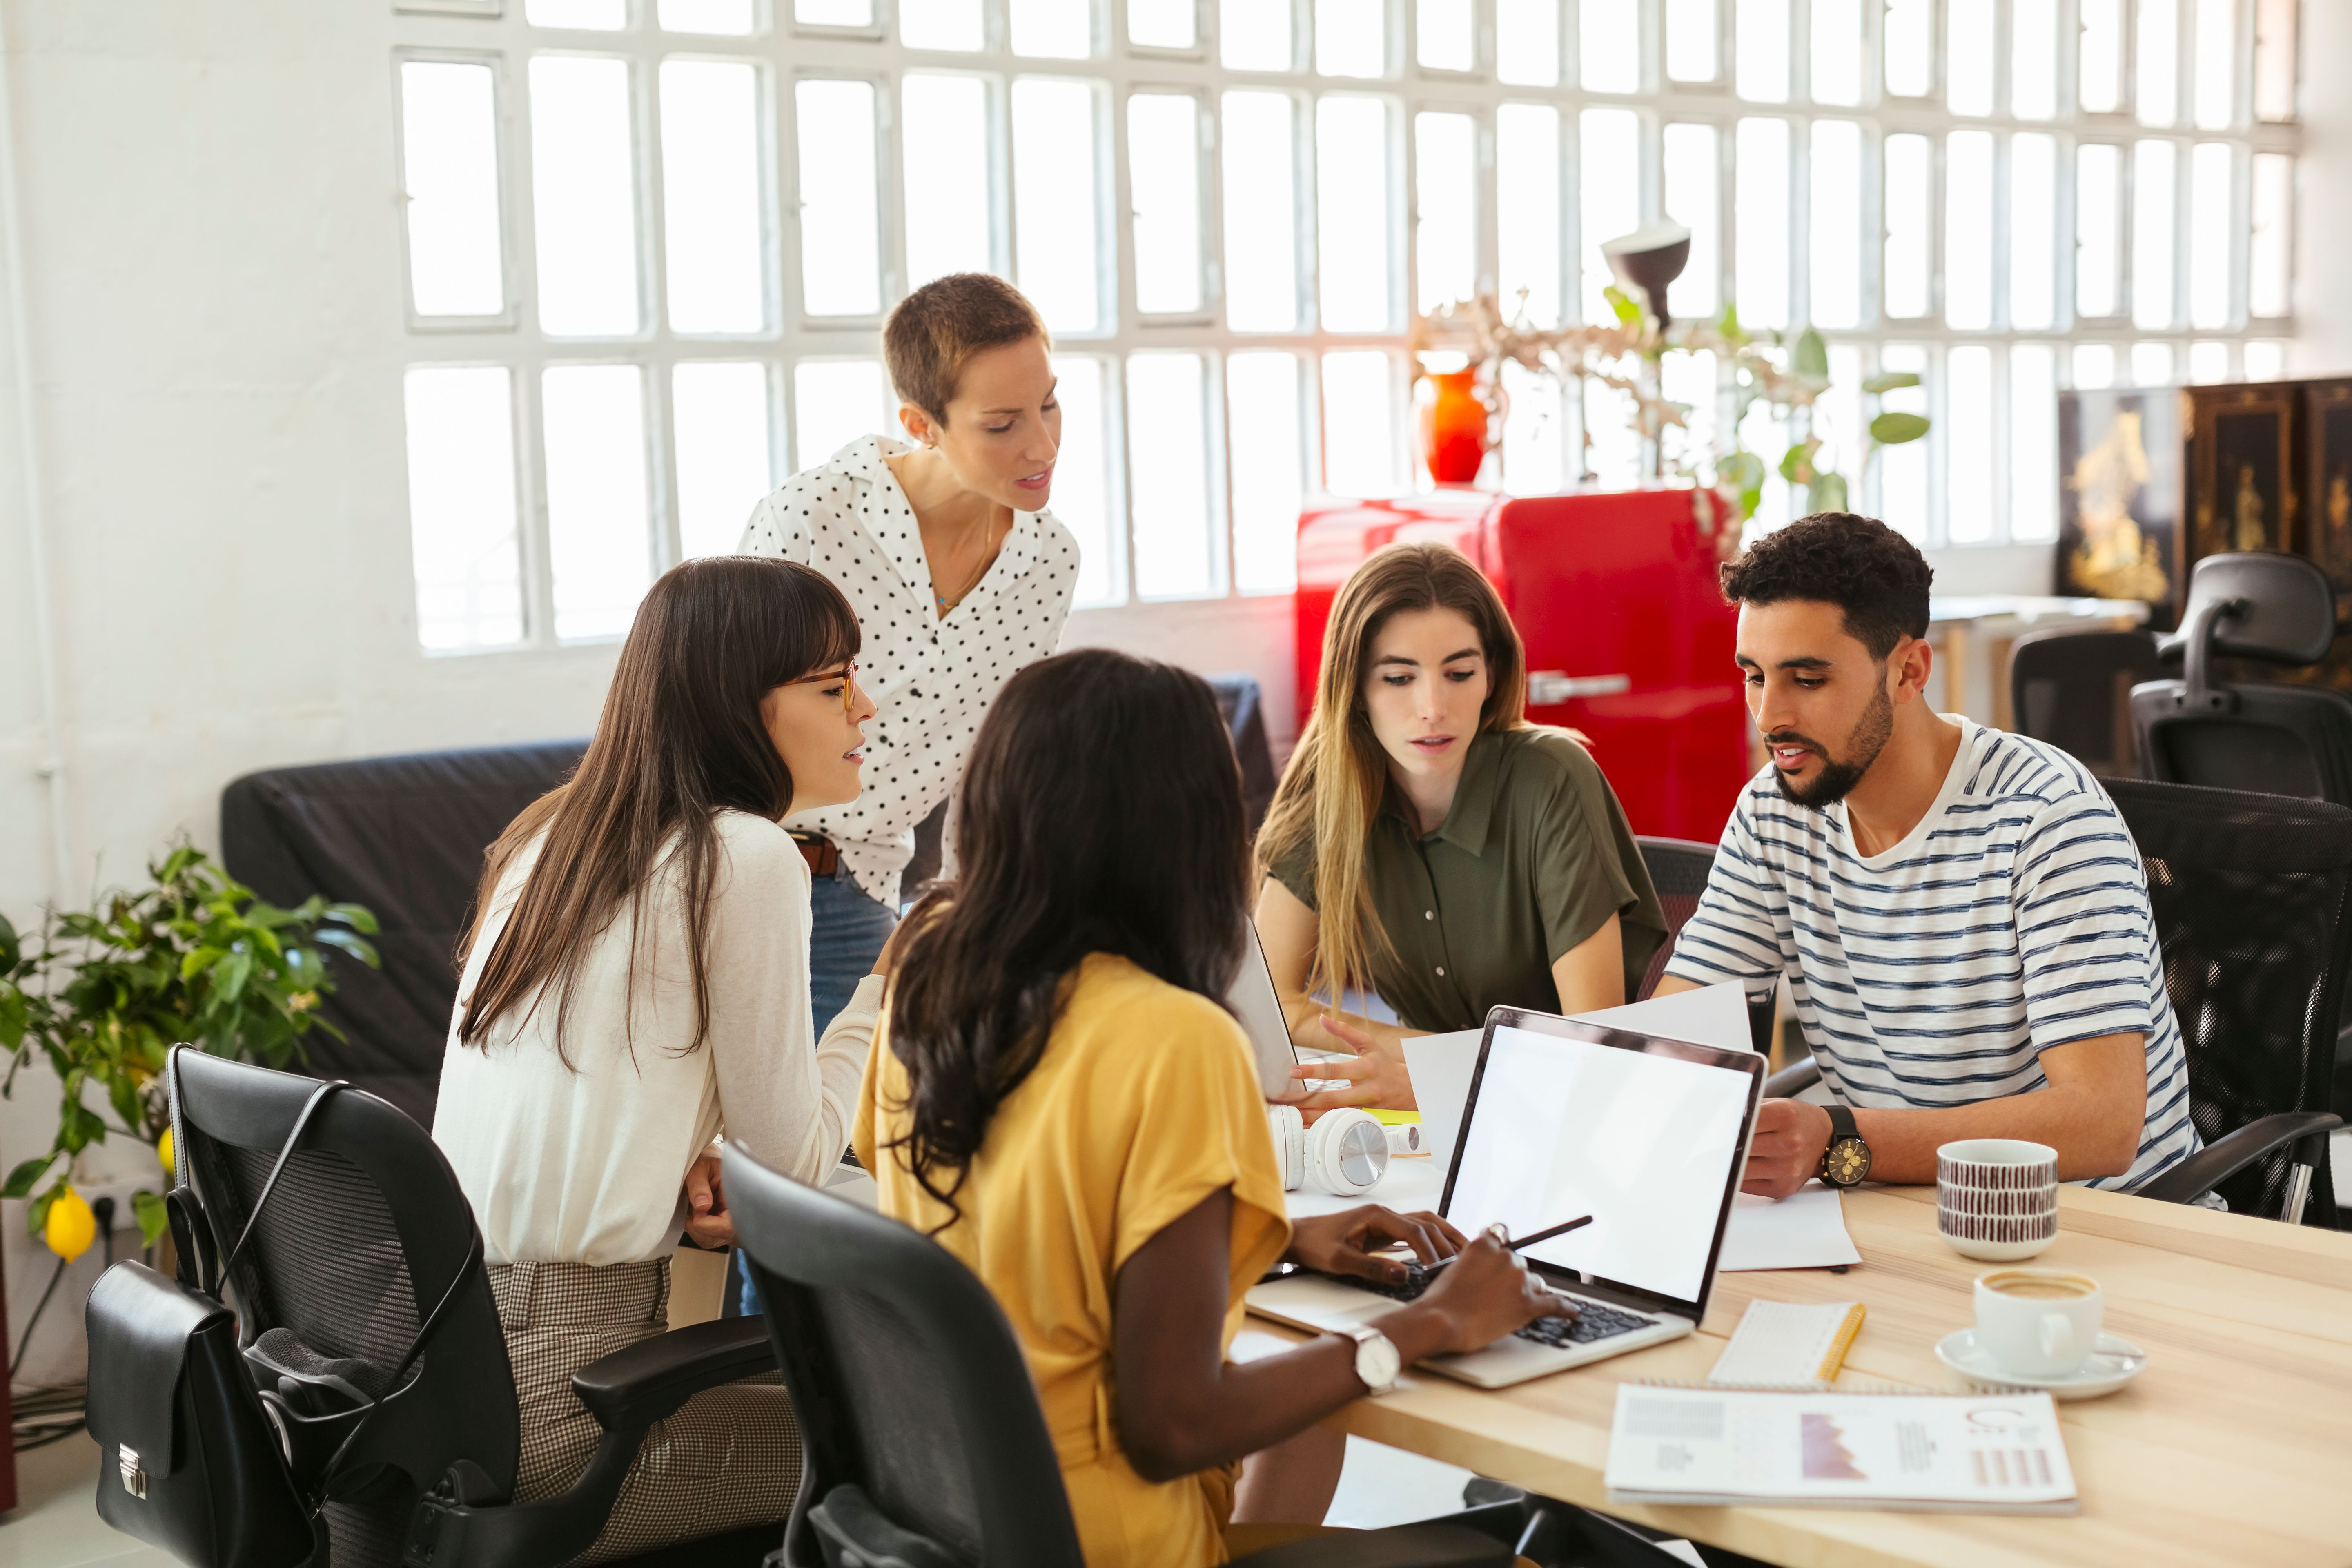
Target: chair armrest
(2216, 1161)
(631, 1389)
(1791, 1081)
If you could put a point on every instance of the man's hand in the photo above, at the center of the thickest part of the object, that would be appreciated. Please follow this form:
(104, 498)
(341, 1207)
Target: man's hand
(707, 1221)
(1790, 1137)
(1344, 1243)
(1375, 1076)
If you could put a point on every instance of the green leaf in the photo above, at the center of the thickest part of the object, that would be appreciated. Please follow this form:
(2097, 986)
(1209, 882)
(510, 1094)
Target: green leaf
(37, 1214)
(1890, 381)
(1894, 429)
(12, 951)
(1827, 493)
(197, 960)
(359, 917)
(364, 951)
(1811, 356)
(21, 1179)
(1797, 463)
(1741, 472)
(1627, 309)
(155, 1218)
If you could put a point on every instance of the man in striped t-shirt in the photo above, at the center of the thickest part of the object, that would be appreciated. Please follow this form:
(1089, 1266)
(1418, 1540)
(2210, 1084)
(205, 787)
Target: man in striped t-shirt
(1961, 912)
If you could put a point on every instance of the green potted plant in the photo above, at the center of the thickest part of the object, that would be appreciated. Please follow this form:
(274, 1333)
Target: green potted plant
(103, 995)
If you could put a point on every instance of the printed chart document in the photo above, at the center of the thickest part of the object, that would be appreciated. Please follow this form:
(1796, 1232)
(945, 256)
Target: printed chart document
(1969, 1453)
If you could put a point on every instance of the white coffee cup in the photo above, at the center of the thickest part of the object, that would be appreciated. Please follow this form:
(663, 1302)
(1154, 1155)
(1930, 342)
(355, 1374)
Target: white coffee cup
(2038, 1322)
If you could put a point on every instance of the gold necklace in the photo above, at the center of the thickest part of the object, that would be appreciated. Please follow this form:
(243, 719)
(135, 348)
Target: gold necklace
(947, 604)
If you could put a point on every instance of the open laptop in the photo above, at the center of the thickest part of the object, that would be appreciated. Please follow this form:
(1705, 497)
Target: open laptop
(1254, 1001)
(1648, 1135)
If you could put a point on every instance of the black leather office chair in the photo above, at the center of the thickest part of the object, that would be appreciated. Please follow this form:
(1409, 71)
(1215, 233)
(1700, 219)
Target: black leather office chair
(1679, 869)
(2278, 739)
(2073, 689)
(366, 1231)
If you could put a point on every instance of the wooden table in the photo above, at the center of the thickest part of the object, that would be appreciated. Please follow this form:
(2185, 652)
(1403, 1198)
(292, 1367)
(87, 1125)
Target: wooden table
(2234, 1445)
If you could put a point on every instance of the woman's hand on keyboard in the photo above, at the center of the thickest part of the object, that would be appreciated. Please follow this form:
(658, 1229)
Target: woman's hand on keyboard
(1345, 1243)
(1484, 1294)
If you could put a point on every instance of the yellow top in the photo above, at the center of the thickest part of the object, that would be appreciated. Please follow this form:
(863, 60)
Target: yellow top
(1144, 1102)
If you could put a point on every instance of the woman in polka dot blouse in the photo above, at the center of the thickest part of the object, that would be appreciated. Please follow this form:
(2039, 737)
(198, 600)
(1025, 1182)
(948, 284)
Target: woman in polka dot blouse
(959, 575)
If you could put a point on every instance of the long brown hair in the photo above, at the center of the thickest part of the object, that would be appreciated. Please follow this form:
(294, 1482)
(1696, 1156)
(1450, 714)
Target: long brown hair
(1332, 788)
(679, 741)
(1101, 812)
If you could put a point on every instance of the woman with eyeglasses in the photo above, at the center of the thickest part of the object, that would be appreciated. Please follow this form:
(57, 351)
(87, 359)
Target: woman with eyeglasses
(637, 984)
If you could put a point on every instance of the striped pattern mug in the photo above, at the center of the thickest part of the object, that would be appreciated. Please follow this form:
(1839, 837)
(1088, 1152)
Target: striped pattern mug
(1997, 1198)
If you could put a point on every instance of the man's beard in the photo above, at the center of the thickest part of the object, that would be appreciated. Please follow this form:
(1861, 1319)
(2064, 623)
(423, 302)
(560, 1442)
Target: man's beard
(1837, 779)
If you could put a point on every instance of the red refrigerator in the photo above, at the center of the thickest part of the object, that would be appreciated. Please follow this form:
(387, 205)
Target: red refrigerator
(1627, 634)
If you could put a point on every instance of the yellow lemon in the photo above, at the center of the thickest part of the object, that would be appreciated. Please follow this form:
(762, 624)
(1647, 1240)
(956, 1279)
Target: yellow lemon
(163, 1152)
(70, 1227)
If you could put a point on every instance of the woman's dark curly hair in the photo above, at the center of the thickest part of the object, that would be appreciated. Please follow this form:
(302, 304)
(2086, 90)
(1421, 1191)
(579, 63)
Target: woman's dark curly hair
(1858, 563)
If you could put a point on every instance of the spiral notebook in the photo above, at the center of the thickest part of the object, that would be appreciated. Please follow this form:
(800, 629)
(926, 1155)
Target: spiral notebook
(1789, 1345)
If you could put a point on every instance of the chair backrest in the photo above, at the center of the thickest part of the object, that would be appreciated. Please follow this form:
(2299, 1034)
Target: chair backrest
(2250, 894)
(2073, 689)
(1678, 869)
(363, 1235)
(907, 1380)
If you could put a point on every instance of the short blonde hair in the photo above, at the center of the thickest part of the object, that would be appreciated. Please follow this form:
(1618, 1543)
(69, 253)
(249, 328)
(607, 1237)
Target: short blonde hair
(934, 332)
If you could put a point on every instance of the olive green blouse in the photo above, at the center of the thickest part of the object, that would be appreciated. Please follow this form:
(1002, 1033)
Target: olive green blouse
(1534, 855)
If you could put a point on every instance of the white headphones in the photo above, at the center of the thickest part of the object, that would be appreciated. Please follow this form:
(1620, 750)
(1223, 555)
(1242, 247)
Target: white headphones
(1345, 1152)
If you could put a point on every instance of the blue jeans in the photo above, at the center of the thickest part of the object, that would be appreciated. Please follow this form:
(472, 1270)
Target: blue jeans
(847, 930)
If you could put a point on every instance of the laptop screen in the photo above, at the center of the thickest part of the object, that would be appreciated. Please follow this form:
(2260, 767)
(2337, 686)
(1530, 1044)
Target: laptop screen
(1639, 1135)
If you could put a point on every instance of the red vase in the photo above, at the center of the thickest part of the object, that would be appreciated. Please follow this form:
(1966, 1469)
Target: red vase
(1452, 420)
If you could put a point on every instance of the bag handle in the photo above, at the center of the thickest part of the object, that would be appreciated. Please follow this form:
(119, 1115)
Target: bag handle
(181, 1153)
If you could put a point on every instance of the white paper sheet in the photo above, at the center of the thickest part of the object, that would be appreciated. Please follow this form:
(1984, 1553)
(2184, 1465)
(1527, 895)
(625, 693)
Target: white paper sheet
(1710, 1015)
(1803, 1230)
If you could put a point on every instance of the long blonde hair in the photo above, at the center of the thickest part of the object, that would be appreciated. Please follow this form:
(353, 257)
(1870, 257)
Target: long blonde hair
(1332, 787)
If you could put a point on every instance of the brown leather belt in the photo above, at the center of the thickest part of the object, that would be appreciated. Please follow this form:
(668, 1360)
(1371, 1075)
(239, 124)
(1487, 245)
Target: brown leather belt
(824, 859)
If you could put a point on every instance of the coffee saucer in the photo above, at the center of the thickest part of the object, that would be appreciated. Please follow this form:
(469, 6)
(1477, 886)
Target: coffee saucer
(2115, 1360)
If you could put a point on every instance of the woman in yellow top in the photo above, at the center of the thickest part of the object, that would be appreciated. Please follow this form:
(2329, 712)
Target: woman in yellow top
(1059, 1099)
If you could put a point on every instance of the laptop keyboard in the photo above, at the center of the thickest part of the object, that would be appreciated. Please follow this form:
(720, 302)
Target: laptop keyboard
(1595, 1321)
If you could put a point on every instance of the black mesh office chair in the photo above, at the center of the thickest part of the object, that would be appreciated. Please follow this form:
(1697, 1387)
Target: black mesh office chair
(1679, 869)
(366, 1231)
(2073, 689)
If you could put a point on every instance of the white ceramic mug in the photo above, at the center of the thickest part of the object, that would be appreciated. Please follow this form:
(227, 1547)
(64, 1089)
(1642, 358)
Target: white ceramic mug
(1997, 1198)
(2038, 1322)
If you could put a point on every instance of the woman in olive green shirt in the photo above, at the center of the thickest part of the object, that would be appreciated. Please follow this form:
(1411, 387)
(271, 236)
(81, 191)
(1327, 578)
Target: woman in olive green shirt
(1435, 847)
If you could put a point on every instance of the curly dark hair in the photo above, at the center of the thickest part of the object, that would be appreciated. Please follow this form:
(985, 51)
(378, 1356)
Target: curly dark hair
(1858, 563)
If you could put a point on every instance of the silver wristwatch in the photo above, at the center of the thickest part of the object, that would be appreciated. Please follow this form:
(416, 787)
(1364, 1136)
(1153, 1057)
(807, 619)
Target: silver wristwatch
(1377, 1361)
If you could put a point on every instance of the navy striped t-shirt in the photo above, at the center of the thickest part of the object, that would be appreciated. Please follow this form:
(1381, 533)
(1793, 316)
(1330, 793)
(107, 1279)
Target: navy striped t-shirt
(2013, 919)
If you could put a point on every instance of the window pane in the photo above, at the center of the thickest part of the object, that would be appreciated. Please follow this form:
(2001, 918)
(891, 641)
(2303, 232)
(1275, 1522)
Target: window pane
(1526, 211)
(714, 233)
(1351, 38)
(1760, 219)
(2151, 364)
(2033, 230)
(2152, 201)
(1255, 34)
(449, 162)
(1690, 40)
(1611, 194)
(1351, 201)
(1444, 36)
(1837, 51)
(1445, 207)
(2209, 235)
(461, 506)
(1612, 450)
(1359, 424)
(2155, 67)
(603, 15)
(1082, 480)
(1761, 57)
(1689, 158)
(1054, 201)
(1968, 59)
(1269, 472)
(2101, 90)
(941, 25)
(1062, 29)
(2266, 362)
(2216, 63)
(719, 420)
(2094, 366)
(1535, 431)
(2099, 225)
(2208, 364)
(733, 17)
(2267, 259)
(1967, 443)
(584, 196)
(1261, 212)
(1527, 42)
(1837, 416)
(597, 542)
(835, 401)
(1967, 229)
(1167, 475)
(2275, 59)
(1903, 470)
(1162, 24)
(1163, 155)
(1609, 47)
(840, 253)
(2032, 442)
(1836, 276)
(834, 12)
(945, 120)
(1908, 224)
(1910, 47)
(1689, 379)
(2034, 59)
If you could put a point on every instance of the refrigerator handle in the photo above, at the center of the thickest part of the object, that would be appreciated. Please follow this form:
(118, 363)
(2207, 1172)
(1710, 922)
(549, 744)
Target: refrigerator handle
(1548, 687)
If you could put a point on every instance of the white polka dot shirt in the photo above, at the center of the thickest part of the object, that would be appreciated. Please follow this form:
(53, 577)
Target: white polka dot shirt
(931, 680)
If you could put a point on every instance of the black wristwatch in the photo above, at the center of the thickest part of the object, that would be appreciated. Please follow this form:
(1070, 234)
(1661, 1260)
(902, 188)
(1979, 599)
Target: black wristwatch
(1846, 1161)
